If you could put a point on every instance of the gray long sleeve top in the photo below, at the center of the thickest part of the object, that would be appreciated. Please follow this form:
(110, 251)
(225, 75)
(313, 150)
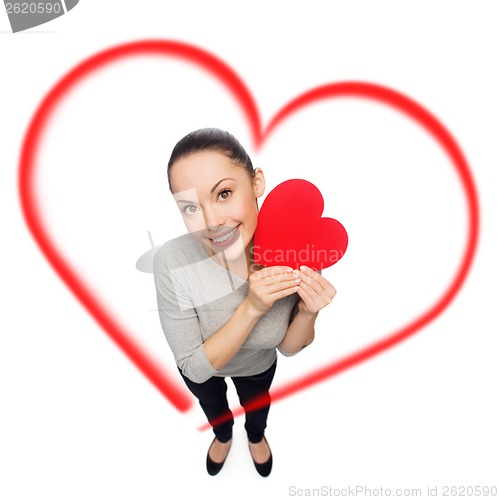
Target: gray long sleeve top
(196, 296)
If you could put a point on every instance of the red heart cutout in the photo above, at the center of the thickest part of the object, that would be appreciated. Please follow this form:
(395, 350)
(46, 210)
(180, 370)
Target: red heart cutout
(176, 394)
(291, 231)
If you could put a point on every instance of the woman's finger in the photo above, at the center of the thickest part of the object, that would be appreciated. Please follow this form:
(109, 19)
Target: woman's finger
(314, 299)
(305, 296)
(272, 271)
(310, 279)
(275, 282)
(276, 286)
(315, 277)
(279, 294)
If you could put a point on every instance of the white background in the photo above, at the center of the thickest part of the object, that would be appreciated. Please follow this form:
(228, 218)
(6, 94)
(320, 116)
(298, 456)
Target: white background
(78, 420)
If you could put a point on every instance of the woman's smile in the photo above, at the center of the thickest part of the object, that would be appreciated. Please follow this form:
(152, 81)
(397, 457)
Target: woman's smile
(225, 239)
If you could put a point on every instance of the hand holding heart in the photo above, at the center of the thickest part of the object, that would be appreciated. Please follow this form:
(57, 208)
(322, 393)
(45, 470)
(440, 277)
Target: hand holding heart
(315, 291)
(268, 285)
(276, 282)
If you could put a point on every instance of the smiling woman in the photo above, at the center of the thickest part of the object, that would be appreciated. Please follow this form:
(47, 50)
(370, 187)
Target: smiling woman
(222, 314)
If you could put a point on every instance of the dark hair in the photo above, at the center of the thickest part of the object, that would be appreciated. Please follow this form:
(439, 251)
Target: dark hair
(211, 139)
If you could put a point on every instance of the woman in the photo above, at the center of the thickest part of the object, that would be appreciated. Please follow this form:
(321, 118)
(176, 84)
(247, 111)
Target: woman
(222, 314)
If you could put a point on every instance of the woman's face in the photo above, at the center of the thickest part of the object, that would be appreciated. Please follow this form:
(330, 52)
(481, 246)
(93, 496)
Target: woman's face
(217, 200)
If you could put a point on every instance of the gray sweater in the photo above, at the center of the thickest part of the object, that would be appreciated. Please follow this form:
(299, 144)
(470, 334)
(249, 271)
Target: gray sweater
(196, 297)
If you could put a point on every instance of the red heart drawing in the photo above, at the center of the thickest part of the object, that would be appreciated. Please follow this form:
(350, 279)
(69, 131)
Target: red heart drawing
(291, 231)
(32, 211)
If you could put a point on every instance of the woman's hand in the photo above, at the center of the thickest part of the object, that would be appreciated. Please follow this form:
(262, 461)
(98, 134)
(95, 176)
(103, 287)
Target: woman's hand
(270, 284)
(315, 291)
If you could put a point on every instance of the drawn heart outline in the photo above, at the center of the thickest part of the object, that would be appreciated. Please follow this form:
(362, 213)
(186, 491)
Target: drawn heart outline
(31, 209)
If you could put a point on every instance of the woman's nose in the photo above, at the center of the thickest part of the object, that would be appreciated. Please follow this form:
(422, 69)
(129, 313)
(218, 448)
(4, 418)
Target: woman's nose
(212, 218)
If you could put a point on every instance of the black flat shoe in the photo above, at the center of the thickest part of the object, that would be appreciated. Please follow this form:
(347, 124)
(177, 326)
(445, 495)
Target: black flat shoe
(265, 468)
(212, 467)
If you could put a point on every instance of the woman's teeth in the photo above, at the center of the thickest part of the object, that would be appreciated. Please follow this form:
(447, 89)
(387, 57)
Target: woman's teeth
(225, 237)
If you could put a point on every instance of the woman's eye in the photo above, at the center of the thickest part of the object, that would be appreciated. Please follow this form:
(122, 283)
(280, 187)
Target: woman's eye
(224, 194)
(189, 209)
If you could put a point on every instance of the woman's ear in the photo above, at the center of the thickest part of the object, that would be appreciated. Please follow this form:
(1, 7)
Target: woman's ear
(258, 182)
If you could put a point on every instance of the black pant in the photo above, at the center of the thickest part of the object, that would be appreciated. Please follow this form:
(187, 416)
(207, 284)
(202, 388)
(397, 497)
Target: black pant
(212, 396)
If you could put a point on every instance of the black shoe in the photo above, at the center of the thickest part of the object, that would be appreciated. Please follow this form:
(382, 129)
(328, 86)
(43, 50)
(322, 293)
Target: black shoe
(265, 468)
(212, 467)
